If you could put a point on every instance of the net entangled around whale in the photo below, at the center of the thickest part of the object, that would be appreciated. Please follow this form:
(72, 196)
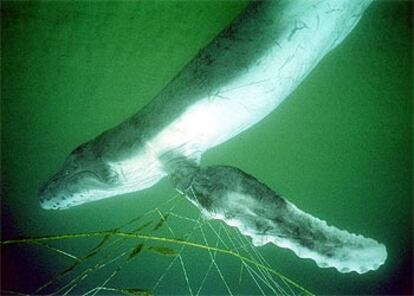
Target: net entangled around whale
(237, 80)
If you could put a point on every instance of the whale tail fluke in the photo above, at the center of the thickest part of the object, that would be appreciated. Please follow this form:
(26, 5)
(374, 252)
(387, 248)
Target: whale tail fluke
(240, 200)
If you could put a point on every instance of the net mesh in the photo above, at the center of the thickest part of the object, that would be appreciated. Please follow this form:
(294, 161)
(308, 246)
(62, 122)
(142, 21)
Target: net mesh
(170, 249)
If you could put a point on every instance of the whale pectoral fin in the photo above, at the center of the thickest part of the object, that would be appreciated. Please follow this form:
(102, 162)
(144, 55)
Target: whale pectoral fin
(240, 200)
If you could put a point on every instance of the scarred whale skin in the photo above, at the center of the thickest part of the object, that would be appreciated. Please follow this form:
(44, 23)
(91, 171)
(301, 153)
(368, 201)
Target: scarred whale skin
(242, 76)
(238, 79)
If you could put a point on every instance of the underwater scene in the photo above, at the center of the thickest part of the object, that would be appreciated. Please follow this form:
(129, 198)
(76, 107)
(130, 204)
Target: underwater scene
(314, 197)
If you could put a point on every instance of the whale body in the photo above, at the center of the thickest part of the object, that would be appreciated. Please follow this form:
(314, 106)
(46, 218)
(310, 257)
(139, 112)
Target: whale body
(232, 84)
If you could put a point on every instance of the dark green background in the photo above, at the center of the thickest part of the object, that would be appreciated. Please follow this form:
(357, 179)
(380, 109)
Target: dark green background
(339, 147)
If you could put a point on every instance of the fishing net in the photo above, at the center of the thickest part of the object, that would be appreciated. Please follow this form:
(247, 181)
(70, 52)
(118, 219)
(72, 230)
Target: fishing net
(163, 251)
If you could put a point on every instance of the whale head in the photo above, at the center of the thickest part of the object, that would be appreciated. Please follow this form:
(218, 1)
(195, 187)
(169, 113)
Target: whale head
(83, 178)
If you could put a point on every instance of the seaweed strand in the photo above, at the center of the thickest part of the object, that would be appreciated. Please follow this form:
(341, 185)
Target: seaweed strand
(32, 240)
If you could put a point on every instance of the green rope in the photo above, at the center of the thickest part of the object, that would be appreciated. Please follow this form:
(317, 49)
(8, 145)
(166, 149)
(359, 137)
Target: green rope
(153, 238)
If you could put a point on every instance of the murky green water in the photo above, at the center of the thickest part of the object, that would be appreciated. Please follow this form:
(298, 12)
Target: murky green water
(339, 147)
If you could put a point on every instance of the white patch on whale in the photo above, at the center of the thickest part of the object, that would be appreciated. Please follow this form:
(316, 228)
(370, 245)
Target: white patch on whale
(222, 92)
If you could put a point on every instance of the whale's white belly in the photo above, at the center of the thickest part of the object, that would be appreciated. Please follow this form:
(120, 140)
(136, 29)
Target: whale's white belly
(232, 108)
(309, 31)
(304, 33)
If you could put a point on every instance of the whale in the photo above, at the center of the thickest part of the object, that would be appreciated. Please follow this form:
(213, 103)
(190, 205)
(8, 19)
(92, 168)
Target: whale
(232, 84)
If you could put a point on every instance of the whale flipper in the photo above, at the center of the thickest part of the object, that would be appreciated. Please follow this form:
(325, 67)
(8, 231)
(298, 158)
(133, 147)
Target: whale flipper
(240, 200)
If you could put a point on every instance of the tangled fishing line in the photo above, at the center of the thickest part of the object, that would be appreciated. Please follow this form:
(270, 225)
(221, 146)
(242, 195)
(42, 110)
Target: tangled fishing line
(168, 252)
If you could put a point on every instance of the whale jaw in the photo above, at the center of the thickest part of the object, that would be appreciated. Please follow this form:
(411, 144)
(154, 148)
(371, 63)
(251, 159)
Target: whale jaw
(65, 190)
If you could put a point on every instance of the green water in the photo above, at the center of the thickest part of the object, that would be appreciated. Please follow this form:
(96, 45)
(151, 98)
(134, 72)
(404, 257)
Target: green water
(339, 147)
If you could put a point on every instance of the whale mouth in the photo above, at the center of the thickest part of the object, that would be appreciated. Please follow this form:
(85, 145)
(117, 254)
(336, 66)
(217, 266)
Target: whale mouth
(63, 191)
(85, 173)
